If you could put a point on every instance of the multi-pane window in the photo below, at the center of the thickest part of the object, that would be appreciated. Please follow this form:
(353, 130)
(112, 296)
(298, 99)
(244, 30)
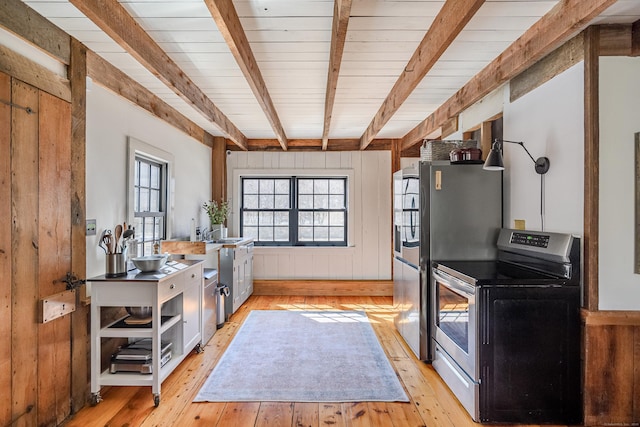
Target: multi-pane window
(149, 203)
(266, 206)
(298, 211)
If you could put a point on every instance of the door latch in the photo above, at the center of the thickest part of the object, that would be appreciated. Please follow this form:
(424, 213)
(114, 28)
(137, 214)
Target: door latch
(72, 281)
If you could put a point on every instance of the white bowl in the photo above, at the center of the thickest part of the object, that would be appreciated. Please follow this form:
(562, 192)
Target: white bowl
(150, 262)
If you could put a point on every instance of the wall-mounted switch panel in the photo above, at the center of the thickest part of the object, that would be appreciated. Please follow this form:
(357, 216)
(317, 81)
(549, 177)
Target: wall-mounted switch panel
(91, 227)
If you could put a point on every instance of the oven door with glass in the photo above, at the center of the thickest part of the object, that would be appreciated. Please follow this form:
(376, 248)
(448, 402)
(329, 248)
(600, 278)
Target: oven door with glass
(456, 320)
(455, 333)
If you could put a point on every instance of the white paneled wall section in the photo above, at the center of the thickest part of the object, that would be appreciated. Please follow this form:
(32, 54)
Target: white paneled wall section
(368, 256)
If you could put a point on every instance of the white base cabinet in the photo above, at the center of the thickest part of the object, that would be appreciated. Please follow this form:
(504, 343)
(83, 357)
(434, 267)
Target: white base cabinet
(175, 296)
(236, 271)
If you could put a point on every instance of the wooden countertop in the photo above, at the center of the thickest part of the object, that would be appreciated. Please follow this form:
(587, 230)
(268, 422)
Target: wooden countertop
(135, 275)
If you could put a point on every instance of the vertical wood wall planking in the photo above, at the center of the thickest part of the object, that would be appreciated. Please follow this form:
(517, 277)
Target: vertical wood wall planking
(5, 248)
(79, 318)
(54, 256)
(611, 357)
(218, 168)
(24, 255)
(591, 169)
(385, 217)
(367, 200)
(370, 215)
(356, 211)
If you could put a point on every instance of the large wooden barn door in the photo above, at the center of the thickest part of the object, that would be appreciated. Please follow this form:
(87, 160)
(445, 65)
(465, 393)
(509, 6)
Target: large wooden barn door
(35, 253)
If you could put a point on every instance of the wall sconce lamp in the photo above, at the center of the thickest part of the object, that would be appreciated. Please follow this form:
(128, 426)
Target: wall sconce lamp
(494, 159)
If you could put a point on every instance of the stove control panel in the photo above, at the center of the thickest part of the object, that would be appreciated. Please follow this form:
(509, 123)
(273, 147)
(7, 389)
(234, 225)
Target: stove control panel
(540, 244)
(535, 240)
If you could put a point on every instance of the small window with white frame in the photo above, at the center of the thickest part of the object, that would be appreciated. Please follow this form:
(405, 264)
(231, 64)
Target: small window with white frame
(149, 177)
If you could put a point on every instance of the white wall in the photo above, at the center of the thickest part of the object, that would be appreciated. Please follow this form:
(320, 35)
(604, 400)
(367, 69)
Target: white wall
(619, 287)
(550, 121)
(110, 120)
(368, 256)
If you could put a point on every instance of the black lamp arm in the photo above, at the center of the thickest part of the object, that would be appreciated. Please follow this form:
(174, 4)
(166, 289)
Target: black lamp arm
(520, 143)
(541, 164)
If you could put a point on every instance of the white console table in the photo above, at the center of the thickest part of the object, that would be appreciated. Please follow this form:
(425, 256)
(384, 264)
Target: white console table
(175, 296)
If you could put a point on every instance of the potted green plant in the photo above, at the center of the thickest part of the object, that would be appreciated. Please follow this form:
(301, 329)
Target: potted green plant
(218, 213)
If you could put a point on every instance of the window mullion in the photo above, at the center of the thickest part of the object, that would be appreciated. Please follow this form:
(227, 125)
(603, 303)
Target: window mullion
(293, 212)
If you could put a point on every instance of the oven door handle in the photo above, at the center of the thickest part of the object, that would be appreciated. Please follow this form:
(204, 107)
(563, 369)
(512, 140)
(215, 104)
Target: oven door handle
(454, 283)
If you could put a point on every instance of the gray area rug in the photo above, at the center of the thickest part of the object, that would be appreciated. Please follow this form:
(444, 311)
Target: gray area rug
(303, 356)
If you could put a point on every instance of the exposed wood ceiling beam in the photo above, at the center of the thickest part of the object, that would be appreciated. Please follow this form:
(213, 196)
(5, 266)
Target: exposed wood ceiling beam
(22, 68)
(341, 13)
(230, 27)
(451, 19)
(347, 144)
(553, 64)
(20, 19)
(635, 39)
(114, 20)
(108, 76)
(558, 25)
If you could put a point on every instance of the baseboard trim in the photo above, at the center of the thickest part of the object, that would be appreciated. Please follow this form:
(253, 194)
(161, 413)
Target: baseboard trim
(324, 287)
(611, 318)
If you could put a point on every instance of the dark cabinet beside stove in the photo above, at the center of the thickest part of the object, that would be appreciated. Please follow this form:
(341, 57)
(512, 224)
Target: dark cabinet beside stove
(530, 355)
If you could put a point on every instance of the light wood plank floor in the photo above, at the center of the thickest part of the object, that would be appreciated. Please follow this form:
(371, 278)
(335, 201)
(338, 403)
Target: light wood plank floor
(432, 404)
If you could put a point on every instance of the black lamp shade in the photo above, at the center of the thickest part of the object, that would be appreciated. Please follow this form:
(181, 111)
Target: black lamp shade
(494, 160)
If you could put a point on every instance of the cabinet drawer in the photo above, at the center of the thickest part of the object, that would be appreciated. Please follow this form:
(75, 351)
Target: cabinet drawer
(171, 287)
(192, 277)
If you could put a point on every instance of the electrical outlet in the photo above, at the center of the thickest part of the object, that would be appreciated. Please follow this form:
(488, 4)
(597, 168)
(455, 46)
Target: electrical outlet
(91, 227)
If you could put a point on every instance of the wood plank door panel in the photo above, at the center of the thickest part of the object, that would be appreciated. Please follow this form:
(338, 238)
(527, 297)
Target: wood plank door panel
(24, 254)
(35, 253)
(5, 247)
(54, 255)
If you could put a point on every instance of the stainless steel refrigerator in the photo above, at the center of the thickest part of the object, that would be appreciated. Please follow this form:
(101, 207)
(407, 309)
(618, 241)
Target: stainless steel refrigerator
(442, 211)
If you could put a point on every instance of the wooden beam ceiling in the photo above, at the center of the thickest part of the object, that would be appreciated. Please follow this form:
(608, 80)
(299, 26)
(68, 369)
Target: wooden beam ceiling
(635, 39)
(114, 20)
(108, 76)
(315, 144)
(230, 27)
(559, 24)
(23, 68)
(341, 13)
(20, 19)
(452, 18)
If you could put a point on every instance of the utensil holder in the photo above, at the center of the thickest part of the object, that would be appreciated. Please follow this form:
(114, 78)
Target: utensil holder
(116, 265)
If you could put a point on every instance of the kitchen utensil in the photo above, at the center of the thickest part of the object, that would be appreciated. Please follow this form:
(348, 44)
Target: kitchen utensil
(101, 242)
(150, 263)
(118, 232)
(127, 233)
(107, 239)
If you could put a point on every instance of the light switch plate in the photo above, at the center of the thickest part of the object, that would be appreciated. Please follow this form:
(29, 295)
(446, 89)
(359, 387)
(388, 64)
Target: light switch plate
(91, 227)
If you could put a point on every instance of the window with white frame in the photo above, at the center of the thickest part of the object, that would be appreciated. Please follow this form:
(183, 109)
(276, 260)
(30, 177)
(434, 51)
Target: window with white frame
(149, 177)
(294, 211)
(149, 208)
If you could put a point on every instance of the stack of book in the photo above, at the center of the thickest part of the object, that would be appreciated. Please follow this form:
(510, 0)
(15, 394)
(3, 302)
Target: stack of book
(137, 357)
